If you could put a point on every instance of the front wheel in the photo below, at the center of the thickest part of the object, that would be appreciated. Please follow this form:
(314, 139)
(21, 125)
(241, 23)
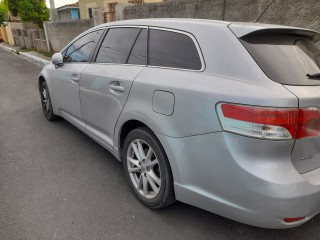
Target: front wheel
(147, 169)
(46, 102)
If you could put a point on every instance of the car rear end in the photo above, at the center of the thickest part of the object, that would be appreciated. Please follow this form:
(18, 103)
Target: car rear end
(260, 162)
(290, 57)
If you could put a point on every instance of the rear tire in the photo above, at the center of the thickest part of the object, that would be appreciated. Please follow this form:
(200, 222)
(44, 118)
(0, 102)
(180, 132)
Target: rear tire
(46, 102)
(147, 169)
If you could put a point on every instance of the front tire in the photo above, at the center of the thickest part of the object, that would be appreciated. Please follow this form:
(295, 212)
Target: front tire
(147, 169)
(46, 102)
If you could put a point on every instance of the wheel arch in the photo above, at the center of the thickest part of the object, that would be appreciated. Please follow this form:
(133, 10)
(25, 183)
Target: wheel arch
(44, 78)
(41, 79)
(125, 127)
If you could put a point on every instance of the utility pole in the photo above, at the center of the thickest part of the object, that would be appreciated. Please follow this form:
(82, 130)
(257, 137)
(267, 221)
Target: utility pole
(53, 12)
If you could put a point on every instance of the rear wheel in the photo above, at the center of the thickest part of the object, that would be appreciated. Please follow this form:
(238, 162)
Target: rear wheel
(46, 102)
(147, 169)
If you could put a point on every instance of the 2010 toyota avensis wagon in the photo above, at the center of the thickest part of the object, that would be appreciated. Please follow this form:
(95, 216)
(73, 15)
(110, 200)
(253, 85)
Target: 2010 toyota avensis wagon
(223, 116)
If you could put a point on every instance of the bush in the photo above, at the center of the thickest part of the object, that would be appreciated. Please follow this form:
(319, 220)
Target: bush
(34, 11)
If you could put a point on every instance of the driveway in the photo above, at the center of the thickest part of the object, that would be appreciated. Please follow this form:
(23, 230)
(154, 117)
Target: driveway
(57, 183)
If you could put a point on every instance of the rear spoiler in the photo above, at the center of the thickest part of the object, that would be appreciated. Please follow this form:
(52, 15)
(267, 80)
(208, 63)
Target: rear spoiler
(243, 29)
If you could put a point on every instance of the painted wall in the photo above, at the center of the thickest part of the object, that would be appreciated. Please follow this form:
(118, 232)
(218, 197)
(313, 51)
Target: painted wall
(68, 14)
(75, 14)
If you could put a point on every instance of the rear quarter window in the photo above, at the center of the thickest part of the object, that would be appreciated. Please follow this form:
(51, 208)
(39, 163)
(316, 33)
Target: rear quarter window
(173, 50)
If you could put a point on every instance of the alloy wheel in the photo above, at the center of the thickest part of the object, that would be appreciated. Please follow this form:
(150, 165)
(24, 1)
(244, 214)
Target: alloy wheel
(45, 100)
(144, 170)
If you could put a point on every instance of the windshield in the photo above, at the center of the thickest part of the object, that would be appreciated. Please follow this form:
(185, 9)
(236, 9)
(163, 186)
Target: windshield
(286, 59)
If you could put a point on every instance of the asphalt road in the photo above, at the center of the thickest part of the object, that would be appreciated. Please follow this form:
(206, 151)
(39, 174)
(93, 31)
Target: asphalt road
(57, 183)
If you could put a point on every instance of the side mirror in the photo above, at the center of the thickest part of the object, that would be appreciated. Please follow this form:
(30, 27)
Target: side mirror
(57, 59)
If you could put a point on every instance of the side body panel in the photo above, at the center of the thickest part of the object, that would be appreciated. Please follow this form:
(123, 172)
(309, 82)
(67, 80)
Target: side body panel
(196, 96)
(104, 89)
(306, 152)
(64, 82)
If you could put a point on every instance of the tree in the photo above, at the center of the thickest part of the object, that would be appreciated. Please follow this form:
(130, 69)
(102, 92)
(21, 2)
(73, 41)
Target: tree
(13, 6)
(3, 12)
(34, 11)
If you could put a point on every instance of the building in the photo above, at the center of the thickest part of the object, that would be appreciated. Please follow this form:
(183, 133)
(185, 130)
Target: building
(107, 8)
(69, 12)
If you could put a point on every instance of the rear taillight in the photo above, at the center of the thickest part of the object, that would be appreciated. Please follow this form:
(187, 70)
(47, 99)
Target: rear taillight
(269, 123)
(309, 123)
(292, 220)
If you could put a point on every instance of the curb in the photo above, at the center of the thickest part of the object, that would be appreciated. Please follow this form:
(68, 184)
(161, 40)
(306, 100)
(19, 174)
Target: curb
(34, 58)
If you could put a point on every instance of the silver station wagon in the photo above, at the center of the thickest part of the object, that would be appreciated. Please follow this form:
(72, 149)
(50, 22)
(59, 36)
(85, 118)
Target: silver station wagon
(223, 116)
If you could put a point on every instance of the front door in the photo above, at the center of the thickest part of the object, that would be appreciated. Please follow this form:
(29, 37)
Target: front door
(66, 92)
(67, 77)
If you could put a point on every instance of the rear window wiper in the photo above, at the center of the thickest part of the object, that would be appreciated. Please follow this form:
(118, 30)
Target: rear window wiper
(313, 76)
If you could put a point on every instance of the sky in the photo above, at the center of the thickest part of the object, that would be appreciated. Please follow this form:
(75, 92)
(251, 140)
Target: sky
(60, 3)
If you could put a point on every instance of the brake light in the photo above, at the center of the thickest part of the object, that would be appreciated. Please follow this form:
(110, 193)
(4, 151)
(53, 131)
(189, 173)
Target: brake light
(292, 220)
(270, 123)
(309, 123)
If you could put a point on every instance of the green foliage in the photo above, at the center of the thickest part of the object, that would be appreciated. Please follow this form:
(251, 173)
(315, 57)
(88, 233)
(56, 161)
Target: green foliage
(34, 11)
(3, 12)
(13, 6)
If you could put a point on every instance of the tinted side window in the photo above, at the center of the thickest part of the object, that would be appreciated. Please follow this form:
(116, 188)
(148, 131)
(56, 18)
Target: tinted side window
(117, 45)
(139, 51)
(171, 49)
(82, 49)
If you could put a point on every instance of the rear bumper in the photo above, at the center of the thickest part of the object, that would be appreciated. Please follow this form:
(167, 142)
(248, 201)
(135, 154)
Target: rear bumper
(244, 179)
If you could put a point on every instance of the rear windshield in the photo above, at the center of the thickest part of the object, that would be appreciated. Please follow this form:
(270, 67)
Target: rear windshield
(285, 59)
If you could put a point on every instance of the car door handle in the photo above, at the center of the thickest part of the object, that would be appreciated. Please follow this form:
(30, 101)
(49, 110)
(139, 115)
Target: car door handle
(75, 77)
(117, 88)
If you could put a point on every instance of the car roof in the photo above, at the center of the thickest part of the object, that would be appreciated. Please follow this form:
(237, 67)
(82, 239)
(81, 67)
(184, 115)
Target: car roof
(240, 29)
(164, 21)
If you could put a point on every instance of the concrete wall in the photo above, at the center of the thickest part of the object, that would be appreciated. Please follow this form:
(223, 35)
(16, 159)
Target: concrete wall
(13, 35)
(61, 33)
(16, 25)
(286, 12)
(17, 34)
(10, 35)
(30, 38)
(58, 34)
(102, 5)
(120, 7)
(38, 39)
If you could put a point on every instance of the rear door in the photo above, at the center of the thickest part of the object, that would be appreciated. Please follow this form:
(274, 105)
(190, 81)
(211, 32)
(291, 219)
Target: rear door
(294, 61)
(106, 83)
